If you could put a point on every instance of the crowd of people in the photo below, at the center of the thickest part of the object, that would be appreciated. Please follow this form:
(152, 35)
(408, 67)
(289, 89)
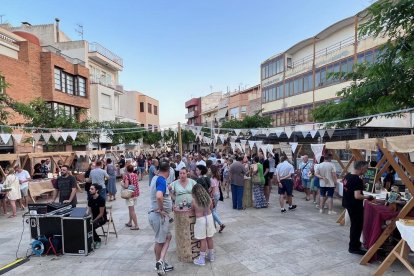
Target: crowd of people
(198, 181)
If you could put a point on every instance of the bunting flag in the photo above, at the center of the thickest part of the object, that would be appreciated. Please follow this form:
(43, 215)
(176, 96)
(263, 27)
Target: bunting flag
(288, 131)
(258, 144)
(222, 138)
(233, 145)
(317, 151)
(243, 144)
(293, 146)
(270, 149)
(215, 138)
(313, 133)
(36, 137)
(322, 132)
(330, 132)
(264, 149)
(162, 133)
(194, 131)
(254, 132)
(5, 137)
(17, 138)
(238, 145)
(237, 131)
(198, 128)
(64, 135)
(287, 149)
(56, 135)
(73, 134)
(251, 144)
(233, 138)
(278, 133)
(305, 133)
(46, 136)
(266, 132)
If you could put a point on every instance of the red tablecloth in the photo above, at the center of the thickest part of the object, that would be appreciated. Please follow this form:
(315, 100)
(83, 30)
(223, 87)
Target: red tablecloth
(374, 217)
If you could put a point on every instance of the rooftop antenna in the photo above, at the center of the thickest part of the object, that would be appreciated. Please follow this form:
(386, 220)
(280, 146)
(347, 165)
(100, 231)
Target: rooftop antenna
(79, 30)
(211, 89)
(1, 18)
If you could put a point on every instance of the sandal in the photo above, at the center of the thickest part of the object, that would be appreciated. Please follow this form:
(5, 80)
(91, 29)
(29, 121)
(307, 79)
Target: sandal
(12, 216)
(221, 228)
(135, 228)
(128, 224)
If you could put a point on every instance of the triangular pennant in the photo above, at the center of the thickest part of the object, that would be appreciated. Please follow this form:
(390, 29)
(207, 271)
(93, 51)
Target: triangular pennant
(266, 132)
(251, 144)
(243, 144)
(233, 138)
(293, 146)
(5, 137)
(313, 133)
(46, 136)
(258, 144)
(198, 128)
(233, 145)
(330, 132)
(270, 149)
(73, 134)
(239, 147)
(17, 138)
(64, 135)
(278, 133)
(215, 137)
(56, 135)
(222, 138)
(237, 131)
(194, 131)
(317, 151)
(264, 149)
(254, 132)
(162, 133)
(36, 137)
(288, 131)
(305, 133)
(322, 132)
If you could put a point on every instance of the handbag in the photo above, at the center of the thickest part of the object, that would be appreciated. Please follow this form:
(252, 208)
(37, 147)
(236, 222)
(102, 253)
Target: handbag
(126, 194)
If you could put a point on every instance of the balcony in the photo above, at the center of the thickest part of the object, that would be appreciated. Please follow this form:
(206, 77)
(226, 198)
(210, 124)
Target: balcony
(192, 102)
(56, 51)
(192, 114)
(105, 57)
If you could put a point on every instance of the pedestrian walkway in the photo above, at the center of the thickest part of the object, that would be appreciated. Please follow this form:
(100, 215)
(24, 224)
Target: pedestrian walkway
(255, 242)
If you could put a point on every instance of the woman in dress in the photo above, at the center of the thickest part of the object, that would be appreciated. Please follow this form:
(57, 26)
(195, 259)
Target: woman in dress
(12, 181)
(182, 187)
(131, 179)
(111, 187)
(256, 173)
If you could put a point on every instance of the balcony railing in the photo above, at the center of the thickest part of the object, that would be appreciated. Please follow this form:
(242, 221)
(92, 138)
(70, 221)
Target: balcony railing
(96, 47)
(8, 39)
(56, 51)
(117, 87)
(190, 115)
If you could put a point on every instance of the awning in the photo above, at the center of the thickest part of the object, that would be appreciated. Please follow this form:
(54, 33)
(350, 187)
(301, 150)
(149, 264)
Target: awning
(222, 113)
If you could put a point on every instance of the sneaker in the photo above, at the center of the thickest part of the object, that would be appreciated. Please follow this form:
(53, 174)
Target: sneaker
(160, 268)
(283, 211)
(200, 261)
(357, 251)
(97, 244)
(291, 208)
(168, 267)
(321, 211)
(332, 213)
(314, 202)
(211, 256)
(221, 228)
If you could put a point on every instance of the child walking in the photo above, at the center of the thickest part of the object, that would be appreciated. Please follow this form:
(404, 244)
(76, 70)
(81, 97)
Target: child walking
(204, 227)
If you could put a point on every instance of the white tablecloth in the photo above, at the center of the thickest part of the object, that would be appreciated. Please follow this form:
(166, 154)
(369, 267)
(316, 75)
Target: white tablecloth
(407, 233)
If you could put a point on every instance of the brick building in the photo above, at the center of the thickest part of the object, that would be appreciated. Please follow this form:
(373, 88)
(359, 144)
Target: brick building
(246, 102)
(32, 71)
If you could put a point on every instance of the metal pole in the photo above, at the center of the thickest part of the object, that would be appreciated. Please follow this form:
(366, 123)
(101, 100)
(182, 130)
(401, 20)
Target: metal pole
(180, 142)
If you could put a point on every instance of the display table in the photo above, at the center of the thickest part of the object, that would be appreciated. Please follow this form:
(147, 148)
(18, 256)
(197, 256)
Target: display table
(247, 193)
(401, 250)
(375, 215)
(188, 248)
(39, 187)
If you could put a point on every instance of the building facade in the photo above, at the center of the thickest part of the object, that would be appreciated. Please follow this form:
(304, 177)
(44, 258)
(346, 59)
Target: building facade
(209, 104)
(148, 112)
(32, 71)
(300, 78)
(193, 115)
(246, 102)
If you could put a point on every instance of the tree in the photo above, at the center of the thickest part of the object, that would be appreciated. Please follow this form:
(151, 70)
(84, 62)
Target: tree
(386, 85)
(255, 121)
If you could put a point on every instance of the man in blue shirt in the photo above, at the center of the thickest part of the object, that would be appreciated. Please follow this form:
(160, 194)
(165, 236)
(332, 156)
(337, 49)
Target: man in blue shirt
(158, 216)
(152, 171)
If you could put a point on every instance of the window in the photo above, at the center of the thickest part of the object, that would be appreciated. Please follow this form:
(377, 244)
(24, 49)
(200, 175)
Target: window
(234, 113)
(141, 107)
(68, 110)
(369, 57)
(69, 84)
(106, 101)
(155, 110)
(81, 86)
(149, 127)
(2, 85)
(273, 67)
(279, 91)
(58, 79)
(149, 108)
(243, 110)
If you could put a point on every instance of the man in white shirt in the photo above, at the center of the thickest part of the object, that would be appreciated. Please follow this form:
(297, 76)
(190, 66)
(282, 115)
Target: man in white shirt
(178, 165)
(24, 178)
(327, 180)
(200, 160)
(284, 172)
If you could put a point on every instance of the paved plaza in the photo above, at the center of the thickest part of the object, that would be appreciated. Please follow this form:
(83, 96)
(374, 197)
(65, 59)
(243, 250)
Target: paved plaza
(255, 242)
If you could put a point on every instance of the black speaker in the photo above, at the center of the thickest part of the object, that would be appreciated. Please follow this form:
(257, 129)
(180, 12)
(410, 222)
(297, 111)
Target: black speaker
(77, 235)
(45, 226)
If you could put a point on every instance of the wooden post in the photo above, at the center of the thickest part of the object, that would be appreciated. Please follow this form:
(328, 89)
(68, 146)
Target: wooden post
(180, 141)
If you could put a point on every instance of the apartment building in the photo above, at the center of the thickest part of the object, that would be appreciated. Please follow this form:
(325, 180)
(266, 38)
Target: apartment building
(148, 112)
(245, 102)
(34, 71)
(193, 115)
(297, 80)
(104, 67)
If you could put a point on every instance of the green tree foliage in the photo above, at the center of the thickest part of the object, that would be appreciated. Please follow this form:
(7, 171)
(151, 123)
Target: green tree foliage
(388, 84)
(255, 121)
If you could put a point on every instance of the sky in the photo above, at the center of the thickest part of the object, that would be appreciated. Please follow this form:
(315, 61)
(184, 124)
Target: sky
(174, 50)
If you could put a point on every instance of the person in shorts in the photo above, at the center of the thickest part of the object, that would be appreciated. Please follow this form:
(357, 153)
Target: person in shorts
(24, 178)
(327, 180)
(284, 172)
(130, 181)
(159, 216)
(204, 228)
(305, 168)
